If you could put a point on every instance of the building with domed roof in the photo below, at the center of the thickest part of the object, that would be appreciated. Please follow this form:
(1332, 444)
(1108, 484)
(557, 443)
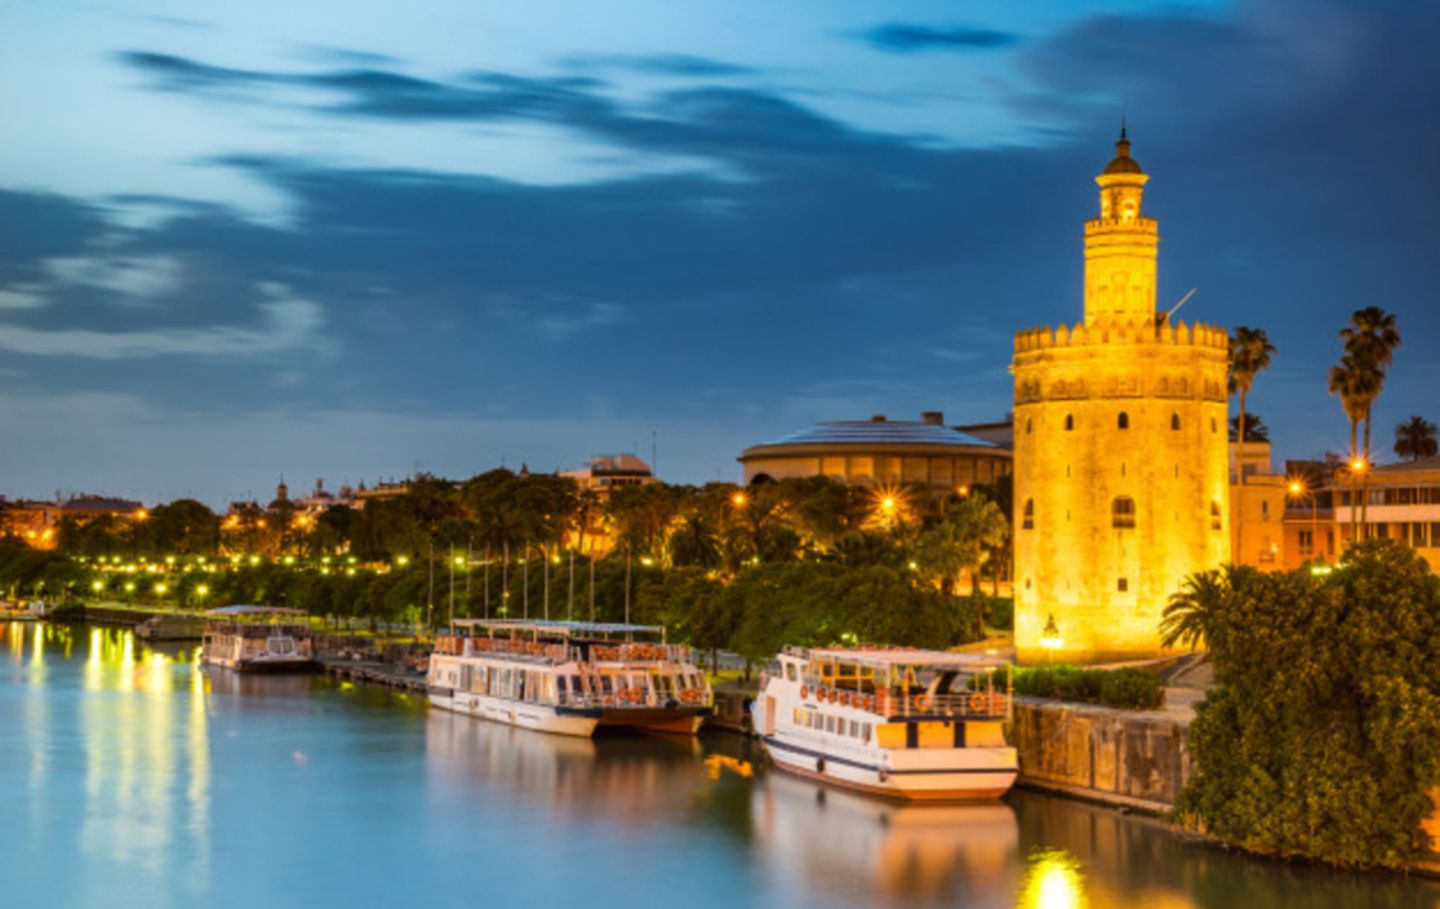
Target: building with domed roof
(883, 452)
(1121, 449)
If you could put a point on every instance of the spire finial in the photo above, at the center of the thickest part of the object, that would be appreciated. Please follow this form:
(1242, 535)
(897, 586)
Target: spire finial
(1123, 116)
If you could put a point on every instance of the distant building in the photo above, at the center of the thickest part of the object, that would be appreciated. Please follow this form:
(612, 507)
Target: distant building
(38, 523)
(1403, 505)
(883, 452)
(1257, 507)
(612, 471)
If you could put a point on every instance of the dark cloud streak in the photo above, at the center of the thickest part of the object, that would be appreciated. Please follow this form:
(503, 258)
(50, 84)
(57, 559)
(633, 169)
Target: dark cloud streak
(909, 37)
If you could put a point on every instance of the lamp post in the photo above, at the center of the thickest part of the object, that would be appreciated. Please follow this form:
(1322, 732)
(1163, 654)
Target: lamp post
(1050, 638)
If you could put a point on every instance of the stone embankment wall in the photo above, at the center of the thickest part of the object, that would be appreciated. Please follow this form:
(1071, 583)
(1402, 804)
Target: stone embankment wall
(1126, 758)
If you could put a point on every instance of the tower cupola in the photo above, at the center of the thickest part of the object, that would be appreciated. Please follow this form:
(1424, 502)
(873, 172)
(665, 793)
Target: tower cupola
(1120, 245)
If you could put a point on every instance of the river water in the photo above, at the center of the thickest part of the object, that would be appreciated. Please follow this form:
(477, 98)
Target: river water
(132, 777)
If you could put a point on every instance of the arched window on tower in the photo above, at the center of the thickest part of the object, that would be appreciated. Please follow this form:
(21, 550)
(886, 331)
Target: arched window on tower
(1069, 422)
(1175, 422)
(1124, 420)
(1214, 515)
(1028, 426)
(1122, 512)
(1027, 519)
(1214, 426)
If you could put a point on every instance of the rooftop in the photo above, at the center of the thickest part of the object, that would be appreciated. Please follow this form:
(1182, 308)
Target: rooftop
(1422, 465)
(558, 626)
(880, 431)
(904, 656)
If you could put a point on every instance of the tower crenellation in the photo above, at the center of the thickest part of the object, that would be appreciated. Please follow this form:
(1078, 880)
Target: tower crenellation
(1121, 435)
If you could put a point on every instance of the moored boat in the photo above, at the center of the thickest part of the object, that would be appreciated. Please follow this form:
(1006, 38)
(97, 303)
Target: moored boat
(568, 677)
(898, 722)
(258, 639)
(170, 627)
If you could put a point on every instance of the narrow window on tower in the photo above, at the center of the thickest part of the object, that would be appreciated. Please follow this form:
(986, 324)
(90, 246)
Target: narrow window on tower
(1124, 421)
(1069, 422)
(1122, 512)
(1214, 515)
(1122, 585)
(1214, 426)
(1175, 422)
(1027, 520)
(1027, 426)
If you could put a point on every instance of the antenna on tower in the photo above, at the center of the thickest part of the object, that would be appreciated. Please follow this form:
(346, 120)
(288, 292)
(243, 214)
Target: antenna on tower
(1161, 320)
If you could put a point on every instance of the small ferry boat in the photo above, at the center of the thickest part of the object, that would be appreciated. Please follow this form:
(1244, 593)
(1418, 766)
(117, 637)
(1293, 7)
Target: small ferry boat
(903, 723)
(171, 627)
(258, 639)
(568, 677)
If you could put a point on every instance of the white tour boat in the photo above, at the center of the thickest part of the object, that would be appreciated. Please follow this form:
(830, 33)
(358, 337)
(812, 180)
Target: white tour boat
(910, 724)
(568, 677)
(258, 639)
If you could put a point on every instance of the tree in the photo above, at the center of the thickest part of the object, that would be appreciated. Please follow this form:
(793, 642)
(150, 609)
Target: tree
(1318, 739)
(960, 542)
(1193, 616)
(1415, 439)
(1354, 386)
(1250, 351)
(1370, 341)
(1255, 428)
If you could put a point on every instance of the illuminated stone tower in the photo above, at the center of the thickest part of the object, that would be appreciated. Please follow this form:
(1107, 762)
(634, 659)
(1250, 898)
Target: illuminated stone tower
(1120, 450)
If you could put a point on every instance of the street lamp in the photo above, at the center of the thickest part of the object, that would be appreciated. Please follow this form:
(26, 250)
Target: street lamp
(739, 500)
(1050, 638)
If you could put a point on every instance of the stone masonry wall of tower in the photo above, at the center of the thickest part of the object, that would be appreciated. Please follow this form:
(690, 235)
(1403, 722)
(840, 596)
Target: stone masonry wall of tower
(1121, 435)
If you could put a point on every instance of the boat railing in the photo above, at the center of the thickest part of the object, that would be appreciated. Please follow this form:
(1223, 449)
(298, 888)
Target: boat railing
(637, 698)
(985, 702)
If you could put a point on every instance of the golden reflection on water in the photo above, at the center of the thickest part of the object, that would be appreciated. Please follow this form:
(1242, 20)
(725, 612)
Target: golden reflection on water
(1053, 880)
(135, 750)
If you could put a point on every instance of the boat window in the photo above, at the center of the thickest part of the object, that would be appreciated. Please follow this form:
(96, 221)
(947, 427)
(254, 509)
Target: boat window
(562, 683)
(829, 724)
(790, 671)
(866, 736)
(575, 684)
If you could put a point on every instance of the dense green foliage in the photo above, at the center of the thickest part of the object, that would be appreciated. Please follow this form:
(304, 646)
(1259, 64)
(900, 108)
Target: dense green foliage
(1322, 736)
(1130, 689)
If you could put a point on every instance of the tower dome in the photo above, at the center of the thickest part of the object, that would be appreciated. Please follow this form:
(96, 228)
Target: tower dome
(1122, 163)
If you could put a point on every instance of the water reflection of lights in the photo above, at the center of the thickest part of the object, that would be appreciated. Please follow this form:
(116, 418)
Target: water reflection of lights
(1053, 881)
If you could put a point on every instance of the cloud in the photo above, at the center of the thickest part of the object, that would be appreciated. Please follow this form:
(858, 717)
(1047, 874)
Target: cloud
(685, 65)
(287, 323)
(908, 37)
(587, 317)
(138, 277)
(23, 297)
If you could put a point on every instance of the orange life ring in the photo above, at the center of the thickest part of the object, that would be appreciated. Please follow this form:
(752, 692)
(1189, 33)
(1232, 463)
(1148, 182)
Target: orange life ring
(978, 702)
(844, 699)
(804, 691)
(921, 702)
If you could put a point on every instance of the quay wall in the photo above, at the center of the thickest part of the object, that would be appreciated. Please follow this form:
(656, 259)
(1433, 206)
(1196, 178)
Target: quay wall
(1118, 757)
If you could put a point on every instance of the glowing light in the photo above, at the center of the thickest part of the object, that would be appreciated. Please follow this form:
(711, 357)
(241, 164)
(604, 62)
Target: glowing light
(1053, 881)
(97, 586)
(402, 561)
(1050, 638)
(1296, 488)
(739, 500)
(129, 586)
(646, 561)
(162, 589)
(888, 503)
(459, 561)
(1357, 465)
(289, 560)
(254, 560)
(141, 514)
(202, 590)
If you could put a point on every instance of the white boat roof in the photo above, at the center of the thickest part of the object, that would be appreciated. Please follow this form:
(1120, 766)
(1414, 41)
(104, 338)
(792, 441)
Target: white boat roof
(559, 626)
(253, 610)
(903, 656)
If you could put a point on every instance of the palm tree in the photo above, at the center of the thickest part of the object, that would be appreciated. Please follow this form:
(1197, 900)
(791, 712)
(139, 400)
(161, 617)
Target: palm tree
(1352, 385)
(1415, 439)
(1195, 615)
(1255, 428)
(1370, 339)
(1250, 351)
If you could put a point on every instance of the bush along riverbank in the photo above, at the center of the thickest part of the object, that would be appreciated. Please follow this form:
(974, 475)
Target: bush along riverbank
(1321, 739)
(1127, 689)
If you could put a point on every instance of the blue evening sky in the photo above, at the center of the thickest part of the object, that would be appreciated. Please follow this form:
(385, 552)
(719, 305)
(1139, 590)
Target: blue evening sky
(341, 240)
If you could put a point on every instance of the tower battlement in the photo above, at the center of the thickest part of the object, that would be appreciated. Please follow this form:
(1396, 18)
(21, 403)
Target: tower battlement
(1122, 331)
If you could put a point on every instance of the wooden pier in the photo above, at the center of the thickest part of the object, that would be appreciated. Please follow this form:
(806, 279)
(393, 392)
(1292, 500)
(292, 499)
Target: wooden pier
(373, 673)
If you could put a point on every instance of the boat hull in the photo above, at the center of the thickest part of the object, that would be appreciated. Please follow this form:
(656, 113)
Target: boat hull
(275, 665)
(985, 774)
(539, 717)
(669, 720)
